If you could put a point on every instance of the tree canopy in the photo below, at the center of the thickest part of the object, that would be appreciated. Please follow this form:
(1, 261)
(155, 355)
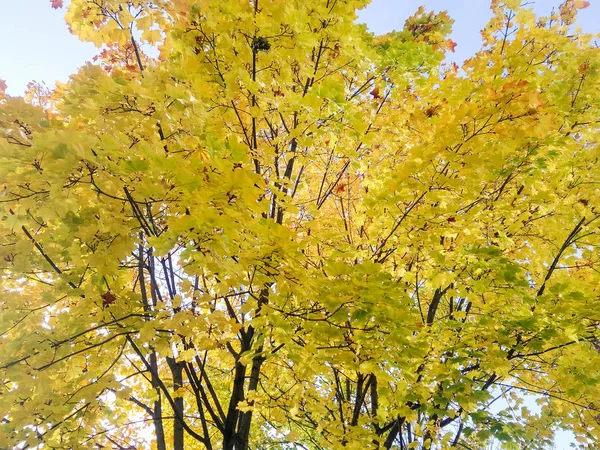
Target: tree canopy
(282, 231)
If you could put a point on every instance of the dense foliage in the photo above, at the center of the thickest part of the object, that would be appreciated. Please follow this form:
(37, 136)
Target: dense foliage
(284, 232)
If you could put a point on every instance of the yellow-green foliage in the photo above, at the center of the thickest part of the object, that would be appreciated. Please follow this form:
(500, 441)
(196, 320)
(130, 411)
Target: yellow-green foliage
(285, 232)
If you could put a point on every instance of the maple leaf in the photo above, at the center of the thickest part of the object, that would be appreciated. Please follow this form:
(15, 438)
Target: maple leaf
(583, 67)
(375, 92)
(451, 45)
(56, 4)
(108, 298)
(432, 110)
(340, 188)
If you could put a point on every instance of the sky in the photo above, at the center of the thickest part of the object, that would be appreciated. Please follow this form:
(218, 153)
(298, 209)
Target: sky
(35, 43)
(470, 16)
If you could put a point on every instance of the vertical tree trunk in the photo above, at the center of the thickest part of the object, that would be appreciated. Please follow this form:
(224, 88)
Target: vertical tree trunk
(246, 419)
(177, 373)
(157, 416)
(237, 395)
(157, 410)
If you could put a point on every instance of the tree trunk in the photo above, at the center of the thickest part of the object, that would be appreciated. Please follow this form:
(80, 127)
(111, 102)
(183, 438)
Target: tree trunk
(177, 372)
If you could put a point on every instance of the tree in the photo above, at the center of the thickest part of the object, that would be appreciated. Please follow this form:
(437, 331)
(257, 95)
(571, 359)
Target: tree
(286, 232)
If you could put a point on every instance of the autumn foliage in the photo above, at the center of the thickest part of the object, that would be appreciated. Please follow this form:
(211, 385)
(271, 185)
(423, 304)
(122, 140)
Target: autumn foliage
(285, 232)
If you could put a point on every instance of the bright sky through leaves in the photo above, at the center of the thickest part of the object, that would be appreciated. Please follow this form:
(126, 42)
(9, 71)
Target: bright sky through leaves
(36, 46)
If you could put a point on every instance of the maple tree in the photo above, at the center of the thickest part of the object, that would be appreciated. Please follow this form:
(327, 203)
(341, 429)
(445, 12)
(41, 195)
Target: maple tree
(287, 232)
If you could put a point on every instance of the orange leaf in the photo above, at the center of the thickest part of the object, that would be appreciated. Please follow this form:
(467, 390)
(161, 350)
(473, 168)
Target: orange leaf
(451, 45)
(375, 92)
(582, 67)
(341, 188)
